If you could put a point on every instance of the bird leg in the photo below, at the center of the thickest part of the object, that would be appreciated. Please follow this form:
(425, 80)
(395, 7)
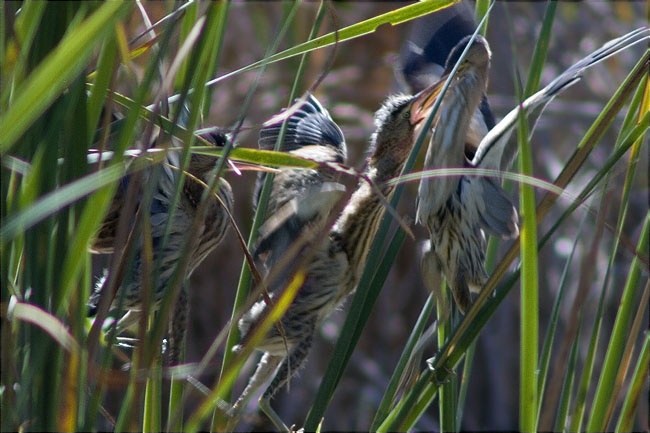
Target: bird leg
(288, 368)
(461, 292)
(178, 328)
(265, 406)
(265, 368)
(431, 274)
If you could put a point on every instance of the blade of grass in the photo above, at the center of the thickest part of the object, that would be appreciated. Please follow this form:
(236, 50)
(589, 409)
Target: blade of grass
(632, 399)
(205, 55)
(152, 416)
(629, 348)
(529, 287)
(447, 393)
(529, 322)
(67, 60)
(245, 277)
(402, 363)
(356, 317)
(53, 202)
(26, 28)
(367, 289)
(398, 16)
(580, 399)
(57, 330)
(567, 386)
(481, 10)
(599, 416)
(627, 138)
(190, 17)
(555, 312)
(280, 307)
(464, 384)
(218, 14)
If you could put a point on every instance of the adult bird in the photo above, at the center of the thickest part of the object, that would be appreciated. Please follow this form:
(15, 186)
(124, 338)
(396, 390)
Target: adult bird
(455, 220)
(166, 247)
(425, 57)
(458, 211)
(335, 267)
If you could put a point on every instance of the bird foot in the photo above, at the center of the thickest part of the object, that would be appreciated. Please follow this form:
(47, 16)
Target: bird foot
(442, 375)
(265, 406)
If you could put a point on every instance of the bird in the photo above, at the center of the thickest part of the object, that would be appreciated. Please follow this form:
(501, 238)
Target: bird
(299, 204)
(425, 56)
(458, 211)
(212, 229)
(457, 243)
(299, 198)
(334, 269)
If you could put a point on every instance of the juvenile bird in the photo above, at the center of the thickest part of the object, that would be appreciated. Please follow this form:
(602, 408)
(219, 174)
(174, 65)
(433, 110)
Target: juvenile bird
(299, 198)
(213, 226)
(337, 263)
(299, 204)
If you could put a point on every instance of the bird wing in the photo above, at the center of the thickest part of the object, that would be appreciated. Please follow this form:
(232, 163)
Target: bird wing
(287, 223)
(309, 124)
(448, 143)
(299, 198)
(493, 151)
(492, 204)
(429, 42)
(487, 203)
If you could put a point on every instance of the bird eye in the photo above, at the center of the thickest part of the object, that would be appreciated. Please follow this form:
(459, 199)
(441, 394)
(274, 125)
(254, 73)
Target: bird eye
(407, 114)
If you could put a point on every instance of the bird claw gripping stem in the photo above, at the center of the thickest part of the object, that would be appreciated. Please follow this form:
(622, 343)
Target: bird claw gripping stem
(441, 376)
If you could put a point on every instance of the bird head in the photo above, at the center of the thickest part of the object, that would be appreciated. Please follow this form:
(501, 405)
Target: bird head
(398, 123)
(478, 56)
(200, 163)
(458, 118)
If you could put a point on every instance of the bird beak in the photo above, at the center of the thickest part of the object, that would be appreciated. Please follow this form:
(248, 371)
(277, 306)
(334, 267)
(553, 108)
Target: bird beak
(424, 101)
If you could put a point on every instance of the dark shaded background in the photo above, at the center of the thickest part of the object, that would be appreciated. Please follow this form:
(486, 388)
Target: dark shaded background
(361, 77)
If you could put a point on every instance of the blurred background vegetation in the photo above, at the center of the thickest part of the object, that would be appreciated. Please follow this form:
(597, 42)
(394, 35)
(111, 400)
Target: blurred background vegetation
(361, 76)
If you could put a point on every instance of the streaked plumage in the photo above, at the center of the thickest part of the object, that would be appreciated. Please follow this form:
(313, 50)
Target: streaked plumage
(454, 218)
(335, 268)
(299, 204)
(211, 231)
(458, 211)
(299, 198)
(428, 54)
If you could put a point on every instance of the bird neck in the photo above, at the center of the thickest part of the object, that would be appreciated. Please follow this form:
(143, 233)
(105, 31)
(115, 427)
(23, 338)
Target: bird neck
(385, 168)
(360, 219)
